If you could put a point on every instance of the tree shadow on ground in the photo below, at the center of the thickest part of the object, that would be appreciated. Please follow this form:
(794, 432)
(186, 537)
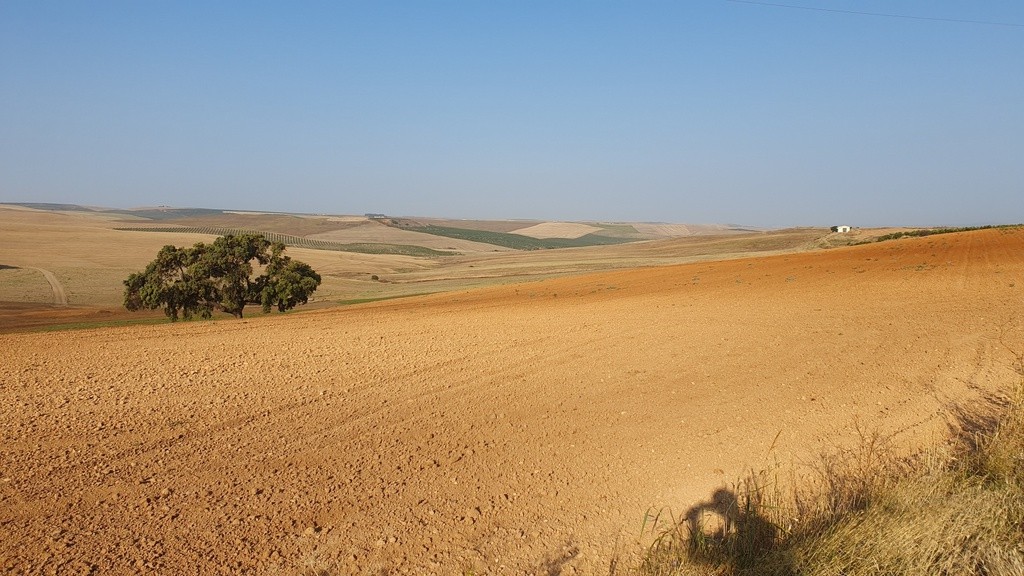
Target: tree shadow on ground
(6, 267)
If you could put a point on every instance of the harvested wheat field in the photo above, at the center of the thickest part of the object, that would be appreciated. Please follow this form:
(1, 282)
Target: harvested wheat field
(508, 430)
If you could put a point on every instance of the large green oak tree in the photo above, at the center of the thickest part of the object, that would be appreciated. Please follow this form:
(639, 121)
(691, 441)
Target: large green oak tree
(188, 282)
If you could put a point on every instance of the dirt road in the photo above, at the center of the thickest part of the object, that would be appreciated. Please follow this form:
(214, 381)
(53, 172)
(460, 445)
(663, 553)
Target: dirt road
(521, 429)
(60, 297)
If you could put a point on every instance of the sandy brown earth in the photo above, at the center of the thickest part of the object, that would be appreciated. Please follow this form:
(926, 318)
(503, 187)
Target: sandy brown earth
(557, 230)
(518, 429)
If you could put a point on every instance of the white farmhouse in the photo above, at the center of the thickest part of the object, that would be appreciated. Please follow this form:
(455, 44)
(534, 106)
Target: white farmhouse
(842, 229)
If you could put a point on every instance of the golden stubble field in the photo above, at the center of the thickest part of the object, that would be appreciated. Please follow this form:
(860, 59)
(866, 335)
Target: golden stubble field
(513, 429)
(78, 260)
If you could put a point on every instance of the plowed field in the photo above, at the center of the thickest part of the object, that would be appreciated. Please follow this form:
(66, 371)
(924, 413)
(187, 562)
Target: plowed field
(524, 428)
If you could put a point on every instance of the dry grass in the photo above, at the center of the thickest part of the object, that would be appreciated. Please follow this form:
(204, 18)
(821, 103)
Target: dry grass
(957, 509)
(557, 230)
(24, 285)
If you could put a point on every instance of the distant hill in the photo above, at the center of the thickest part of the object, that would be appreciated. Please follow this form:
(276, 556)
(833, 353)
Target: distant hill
(381, 234)
(51, 206)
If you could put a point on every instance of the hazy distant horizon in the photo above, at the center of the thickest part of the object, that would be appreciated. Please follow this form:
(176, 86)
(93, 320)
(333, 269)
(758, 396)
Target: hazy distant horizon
(754, 114)
(734, 225)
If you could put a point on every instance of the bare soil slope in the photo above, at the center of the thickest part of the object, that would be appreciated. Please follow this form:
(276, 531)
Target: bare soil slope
(517, 429)
(557, 230)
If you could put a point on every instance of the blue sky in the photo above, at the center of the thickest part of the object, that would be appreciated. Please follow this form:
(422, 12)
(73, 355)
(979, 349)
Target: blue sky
(685, 111)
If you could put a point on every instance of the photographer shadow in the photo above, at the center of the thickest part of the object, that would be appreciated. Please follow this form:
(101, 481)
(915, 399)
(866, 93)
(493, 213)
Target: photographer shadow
(730, 529)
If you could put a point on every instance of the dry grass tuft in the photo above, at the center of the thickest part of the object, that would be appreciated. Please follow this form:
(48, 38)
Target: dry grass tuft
(954, 510)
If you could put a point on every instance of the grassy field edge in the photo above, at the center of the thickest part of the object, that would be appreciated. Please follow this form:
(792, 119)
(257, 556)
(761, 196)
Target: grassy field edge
(953, 509)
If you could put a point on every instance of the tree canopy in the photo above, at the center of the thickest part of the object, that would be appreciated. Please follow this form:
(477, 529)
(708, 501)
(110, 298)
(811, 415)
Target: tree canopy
(188, 282)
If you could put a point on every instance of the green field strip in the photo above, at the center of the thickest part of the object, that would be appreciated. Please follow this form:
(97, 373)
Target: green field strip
(616, 230)
(517, 241)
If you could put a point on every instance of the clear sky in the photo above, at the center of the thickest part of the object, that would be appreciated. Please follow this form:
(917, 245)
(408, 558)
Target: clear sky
(679, 111)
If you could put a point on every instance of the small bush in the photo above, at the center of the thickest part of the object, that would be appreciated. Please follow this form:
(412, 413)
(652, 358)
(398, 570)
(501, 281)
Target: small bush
(932, 231)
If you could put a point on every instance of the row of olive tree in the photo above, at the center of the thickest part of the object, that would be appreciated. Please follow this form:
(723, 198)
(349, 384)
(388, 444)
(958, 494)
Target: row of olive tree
(218, 276)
